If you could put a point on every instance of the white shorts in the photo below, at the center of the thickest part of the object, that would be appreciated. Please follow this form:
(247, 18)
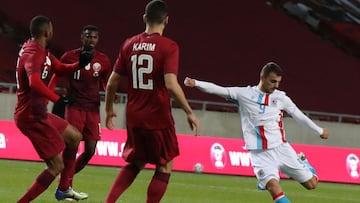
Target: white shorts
(268, 163)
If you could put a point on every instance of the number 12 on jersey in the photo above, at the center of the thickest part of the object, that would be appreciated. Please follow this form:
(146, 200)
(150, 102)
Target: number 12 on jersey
(139, 71)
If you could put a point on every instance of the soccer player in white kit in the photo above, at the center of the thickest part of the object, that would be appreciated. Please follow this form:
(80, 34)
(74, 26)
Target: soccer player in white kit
(261, 112)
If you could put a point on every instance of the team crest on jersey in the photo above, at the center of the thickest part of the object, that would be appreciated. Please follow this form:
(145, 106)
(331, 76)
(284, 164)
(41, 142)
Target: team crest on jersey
(274, 102)
(96, 67)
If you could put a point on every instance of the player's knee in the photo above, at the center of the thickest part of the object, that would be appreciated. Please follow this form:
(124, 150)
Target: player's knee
(60, 168)
(310, 187)
(73, 136)
(311, 184)
(56, 168)
(167, 168)
(77, 136)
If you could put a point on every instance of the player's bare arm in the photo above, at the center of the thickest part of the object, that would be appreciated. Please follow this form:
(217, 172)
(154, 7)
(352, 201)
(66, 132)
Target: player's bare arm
(111, 89)
(174, 88)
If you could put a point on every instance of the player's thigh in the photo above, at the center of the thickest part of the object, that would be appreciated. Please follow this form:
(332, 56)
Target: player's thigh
(92, 128)
(292, 166)
(165, 145)
(265, 166)
(152, 146)
(71, 135)
(45, 135)
(76, 117)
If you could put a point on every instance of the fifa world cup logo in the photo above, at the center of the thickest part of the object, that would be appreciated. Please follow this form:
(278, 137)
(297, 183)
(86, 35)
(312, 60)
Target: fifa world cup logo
(352, 165)
(217, 154)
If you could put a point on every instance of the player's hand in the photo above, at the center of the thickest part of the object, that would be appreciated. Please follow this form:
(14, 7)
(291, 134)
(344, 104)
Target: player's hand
(194, 123)
(85, 58)
(108, 120)
(325, 134)
(60, 105)
(189, 82)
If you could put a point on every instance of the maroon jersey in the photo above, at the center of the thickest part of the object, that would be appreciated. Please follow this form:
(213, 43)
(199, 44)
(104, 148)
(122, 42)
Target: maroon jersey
(85, 83)
(33, 58)
(144, 59)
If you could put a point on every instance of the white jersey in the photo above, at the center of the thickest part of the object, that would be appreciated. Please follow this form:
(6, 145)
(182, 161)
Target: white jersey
(261, 114)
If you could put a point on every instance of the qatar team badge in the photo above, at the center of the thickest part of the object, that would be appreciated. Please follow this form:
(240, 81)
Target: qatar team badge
(96, 67)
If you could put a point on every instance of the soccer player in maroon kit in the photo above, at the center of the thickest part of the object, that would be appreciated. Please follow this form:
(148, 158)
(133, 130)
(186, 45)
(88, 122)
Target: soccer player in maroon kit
(150, 61)
(49, 134)
(84, 86)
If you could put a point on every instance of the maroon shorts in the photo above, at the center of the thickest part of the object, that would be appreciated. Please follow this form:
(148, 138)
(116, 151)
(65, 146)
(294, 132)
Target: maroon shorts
(151, 146)
(88, 123)
(45, 135)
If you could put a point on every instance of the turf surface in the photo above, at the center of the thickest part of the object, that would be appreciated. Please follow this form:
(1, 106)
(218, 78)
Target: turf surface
(17, 176)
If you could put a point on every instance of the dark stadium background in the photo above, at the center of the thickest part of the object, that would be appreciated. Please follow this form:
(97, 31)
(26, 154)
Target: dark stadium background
(226, 42)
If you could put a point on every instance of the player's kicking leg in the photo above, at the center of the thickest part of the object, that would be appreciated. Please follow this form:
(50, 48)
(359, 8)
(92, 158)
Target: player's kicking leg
(313, 182)
(303, 158)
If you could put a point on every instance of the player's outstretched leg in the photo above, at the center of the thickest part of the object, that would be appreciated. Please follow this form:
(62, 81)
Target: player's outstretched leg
(303, 158)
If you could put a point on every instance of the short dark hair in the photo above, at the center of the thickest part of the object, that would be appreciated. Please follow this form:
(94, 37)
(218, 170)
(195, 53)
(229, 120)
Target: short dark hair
(90, 28)
(156, 11)
(271, 67)
(38, 25)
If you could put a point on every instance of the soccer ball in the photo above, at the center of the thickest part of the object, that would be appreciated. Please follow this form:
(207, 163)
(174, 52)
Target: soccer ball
(198, 168)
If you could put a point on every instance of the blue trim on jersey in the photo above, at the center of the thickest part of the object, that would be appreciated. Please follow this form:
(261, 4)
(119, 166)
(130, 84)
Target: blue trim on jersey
(261, 103)
(260, 98)
(259, 138)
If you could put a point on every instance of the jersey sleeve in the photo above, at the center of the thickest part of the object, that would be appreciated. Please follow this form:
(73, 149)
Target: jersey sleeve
(62, 68)
(234, 93)
(299, 116)
(120, 64)
(33, 67)
(66, 58)
(37, 85)
(212, 88)
(288, 105)
(34, 64)
(171, 64)
(106, 73)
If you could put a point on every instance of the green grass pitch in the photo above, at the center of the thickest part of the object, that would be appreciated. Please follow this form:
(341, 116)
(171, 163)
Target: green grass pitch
(17, 176)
